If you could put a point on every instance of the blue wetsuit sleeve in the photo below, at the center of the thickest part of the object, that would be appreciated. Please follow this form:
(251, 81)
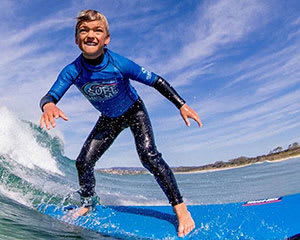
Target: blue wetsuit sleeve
(64, 80)
(48, 98)
(133, 71)
(140, 74)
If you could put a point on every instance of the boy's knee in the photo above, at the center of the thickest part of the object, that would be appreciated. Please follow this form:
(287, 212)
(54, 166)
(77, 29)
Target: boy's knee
(152, 160)
(85, 159)
(83, 163)
(149, 155)
(80, 163)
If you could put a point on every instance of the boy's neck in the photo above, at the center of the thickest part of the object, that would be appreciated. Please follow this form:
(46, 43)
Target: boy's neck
(94, 62)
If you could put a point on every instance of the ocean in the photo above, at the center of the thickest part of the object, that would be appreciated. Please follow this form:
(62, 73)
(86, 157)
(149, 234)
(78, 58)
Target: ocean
(34, 170)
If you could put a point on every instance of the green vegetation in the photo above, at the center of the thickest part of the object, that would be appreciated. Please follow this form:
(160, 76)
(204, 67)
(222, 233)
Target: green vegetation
(276, 154)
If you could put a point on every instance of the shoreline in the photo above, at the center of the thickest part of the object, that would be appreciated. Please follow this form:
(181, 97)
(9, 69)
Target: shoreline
(284, 159)
(191, 170)
(234, 167)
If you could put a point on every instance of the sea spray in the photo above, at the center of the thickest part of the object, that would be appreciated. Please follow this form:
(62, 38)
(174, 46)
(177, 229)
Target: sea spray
(18, 142)
(32, 168)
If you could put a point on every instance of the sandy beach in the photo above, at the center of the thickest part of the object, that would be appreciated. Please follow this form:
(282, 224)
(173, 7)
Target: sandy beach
(233, 167)
(192, 169)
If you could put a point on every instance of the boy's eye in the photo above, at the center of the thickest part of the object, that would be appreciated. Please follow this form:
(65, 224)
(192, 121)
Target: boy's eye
(99, 30)
(82, 30)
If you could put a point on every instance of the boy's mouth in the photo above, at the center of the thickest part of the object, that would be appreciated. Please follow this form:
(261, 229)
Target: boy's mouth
(90, 43)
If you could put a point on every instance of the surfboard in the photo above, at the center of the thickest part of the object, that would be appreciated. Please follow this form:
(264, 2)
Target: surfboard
(273, 218)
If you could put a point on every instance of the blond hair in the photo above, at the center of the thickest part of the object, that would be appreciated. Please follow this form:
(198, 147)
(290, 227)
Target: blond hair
(91, 15)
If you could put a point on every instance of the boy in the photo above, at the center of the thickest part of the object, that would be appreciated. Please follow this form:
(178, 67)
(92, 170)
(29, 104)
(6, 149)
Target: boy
(103, 78)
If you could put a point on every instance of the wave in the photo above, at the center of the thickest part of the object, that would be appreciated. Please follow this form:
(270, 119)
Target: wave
(32, 166)
(27, 145)
(34, 170)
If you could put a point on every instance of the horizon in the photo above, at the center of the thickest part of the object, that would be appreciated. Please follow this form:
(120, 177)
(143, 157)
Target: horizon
(271, 153)
(237, 64)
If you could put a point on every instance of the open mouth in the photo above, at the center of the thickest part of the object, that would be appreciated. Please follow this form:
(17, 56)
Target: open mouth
(90, 43)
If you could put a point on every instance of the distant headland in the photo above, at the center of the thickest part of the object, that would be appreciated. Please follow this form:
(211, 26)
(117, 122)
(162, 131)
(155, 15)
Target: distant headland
(277, 154)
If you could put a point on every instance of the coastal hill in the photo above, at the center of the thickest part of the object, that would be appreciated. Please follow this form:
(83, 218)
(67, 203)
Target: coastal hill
(277, 154)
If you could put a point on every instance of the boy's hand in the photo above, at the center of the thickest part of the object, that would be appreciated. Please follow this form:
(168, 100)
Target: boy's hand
(51, 112)
(186, 113)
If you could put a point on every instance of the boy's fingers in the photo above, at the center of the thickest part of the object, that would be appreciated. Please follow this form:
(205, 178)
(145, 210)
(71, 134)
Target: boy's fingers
(196, 118)
(52, 120)
(63, 116)
(198, 121)
(49, 116)
(42, 122)
(47, 122)
(56, 114)
(187, 122)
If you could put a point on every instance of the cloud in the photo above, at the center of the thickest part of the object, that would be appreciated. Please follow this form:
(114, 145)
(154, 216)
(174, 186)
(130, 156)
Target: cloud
(220, 23)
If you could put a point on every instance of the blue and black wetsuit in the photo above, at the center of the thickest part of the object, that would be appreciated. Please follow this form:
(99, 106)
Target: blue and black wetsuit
(105, 83)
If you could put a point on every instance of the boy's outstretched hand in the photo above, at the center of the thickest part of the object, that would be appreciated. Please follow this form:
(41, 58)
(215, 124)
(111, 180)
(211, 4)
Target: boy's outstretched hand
(186, 113)
(51, 112)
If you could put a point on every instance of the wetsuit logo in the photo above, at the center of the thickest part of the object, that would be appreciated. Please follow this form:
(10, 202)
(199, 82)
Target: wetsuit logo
(147, 73)
(96, 91)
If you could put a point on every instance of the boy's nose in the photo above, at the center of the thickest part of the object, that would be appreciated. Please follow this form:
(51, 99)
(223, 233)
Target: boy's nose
(91, 34)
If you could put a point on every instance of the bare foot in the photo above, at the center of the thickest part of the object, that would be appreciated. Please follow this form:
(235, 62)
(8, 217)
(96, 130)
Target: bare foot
(80, 212)
(185, 221)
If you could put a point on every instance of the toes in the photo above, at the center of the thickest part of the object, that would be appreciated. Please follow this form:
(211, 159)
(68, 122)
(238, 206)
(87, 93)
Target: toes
(181, 231)
(185, 230)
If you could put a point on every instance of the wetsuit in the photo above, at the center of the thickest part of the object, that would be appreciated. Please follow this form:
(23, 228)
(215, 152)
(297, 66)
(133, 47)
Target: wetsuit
(105, 83)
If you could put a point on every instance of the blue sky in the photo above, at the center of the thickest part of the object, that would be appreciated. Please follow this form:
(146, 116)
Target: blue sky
(237, 63)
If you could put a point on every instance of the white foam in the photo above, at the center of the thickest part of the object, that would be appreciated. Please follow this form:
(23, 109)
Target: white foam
(15, 195)
(18, 142)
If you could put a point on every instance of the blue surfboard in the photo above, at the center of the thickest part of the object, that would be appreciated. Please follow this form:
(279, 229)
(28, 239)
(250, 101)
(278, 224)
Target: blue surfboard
(274, 218)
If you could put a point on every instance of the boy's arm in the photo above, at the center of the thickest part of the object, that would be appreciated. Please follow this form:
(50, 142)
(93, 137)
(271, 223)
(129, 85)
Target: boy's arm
(135, 72)
(169, 92)
(48, 98)
(48, 102)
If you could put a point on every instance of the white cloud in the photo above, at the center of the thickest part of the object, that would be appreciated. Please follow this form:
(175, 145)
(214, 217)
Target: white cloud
(220, 23)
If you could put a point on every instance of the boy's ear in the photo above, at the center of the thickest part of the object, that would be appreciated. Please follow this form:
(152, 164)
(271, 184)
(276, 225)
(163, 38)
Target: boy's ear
(76, 39)
(107, 40)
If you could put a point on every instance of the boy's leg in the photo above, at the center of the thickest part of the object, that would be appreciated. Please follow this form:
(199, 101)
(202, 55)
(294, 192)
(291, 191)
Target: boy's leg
(140, 126)
(100, 139)
(151, 159)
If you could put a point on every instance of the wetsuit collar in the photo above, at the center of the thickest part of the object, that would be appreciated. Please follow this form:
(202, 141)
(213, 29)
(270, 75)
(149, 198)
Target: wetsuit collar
(95, 64)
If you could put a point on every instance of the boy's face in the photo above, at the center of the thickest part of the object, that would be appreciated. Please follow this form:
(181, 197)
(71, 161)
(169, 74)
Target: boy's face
(91, 38)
